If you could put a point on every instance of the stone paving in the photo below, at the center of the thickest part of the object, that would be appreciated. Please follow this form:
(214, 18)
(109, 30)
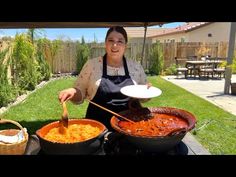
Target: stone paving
(210, 90)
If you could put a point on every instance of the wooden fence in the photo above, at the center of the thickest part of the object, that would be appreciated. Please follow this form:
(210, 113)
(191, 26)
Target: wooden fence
(65, 59)
(183, 50)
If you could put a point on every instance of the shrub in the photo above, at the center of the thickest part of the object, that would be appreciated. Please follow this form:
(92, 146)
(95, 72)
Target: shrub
(156, 59)
(24, 65)
(171, 70)
(83, 52)
(6, 90)
(44, 67)
(233, 66)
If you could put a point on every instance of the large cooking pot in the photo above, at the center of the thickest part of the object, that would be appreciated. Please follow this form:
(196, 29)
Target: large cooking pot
(81, 148)
(157, 144)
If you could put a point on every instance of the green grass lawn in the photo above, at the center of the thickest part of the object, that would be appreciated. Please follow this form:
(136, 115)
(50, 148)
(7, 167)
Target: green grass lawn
(215, 128)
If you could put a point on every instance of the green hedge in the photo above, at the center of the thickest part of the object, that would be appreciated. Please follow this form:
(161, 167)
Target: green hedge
(6, 90)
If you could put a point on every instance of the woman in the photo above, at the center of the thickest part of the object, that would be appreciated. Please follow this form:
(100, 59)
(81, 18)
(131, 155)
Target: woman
(101, 78)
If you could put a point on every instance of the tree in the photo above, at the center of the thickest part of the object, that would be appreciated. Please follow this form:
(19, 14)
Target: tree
(156, 59)
(34, 33)
(82, 40)
(24, 65)
(42, 58)
(6, 89)
(95, 39)
(83, 52)
(54, 47)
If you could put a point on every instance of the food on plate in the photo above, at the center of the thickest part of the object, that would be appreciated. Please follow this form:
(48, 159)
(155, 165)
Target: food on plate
(74, 133)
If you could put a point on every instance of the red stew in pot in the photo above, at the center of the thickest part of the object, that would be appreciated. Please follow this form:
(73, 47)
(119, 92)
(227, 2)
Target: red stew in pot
(158, 125)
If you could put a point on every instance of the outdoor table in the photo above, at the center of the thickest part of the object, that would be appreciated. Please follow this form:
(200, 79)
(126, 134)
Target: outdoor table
(196, 64)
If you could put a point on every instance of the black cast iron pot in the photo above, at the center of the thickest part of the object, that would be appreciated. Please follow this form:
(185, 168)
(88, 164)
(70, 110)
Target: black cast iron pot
(86, 147)
(157, 144)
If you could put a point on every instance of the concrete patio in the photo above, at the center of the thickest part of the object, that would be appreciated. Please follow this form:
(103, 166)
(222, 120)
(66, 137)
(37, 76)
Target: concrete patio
(210, 90)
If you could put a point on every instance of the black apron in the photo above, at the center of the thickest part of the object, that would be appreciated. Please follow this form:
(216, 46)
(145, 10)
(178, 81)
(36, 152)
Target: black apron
(109, 96)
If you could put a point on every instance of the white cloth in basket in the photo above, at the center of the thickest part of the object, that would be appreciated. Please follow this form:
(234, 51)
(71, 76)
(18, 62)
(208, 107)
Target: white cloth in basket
(13, 139)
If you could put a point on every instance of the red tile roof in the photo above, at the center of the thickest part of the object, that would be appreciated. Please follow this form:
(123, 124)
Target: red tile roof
(154, 32)
(184, 28)
(139, 32)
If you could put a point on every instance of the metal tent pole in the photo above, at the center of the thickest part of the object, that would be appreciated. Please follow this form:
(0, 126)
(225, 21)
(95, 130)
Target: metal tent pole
(228, 70)
(144, 40)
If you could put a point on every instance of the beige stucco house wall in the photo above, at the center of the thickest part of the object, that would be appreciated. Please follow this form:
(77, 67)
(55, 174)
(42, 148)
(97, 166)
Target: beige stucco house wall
(212, 32)
(139, 40)
(136, 35)
(177, 37)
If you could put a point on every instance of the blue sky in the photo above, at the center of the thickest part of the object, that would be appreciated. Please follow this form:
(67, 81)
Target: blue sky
(75, 33)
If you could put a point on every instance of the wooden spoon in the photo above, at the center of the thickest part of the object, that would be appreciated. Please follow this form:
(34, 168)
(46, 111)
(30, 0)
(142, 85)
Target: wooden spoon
(64, 119)
(177, 131)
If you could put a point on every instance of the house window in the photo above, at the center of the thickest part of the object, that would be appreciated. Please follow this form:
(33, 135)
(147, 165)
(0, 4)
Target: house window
(182, 39)
(172, 40)
(209, 35)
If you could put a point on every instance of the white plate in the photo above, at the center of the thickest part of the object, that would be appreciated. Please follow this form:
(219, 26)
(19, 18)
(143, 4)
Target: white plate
(140, 91)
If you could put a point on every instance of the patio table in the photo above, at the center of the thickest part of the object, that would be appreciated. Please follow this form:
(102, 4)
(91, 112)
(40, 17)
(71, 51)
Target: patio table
(196, 64)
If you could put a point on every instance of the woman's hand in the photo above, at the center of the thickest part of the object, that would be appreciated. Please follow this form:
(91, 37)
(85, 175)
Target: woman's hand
(143, 100)
(67, 94)
(149, 84)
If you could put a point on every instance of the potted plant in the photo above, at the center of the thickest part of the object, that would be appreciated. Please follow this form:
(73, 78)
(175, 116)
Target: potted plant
(233, 83)
(233, 88)
(233, 68)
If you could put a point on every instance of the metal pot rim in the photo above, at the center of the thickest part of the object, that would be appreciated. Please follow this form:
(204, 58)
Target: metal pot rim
(168, 110)
(48, 126)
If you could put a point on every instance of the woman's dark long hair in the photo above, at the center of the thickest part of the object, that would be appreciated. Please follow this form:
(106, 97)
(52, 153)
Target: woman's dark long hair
(118, 29)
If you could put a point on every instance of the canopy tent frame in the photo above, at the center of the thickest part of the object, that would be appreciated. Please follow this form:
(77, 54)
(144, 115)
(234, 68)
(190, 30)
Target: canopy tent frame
(76, 24)
(228, 70)
(82, 25)
(228, 74)
(144, 41)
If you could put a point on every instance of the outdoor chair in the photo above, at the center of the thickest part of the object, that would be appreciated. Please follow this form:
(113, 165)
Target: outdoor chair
(192, 57)
(191, 69)
(218, 69)
(181, 69)
(206, 70)
(219, 72)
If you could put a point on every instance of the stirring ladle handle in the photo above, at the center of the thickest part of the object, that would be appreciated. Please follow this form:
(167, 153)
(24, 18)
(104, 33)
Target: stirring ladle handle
(114, 113)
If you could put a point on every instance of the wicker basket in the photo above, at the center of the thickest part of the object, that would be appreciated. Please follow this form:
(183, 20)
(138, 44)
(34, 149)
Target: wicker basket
(14, 148)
